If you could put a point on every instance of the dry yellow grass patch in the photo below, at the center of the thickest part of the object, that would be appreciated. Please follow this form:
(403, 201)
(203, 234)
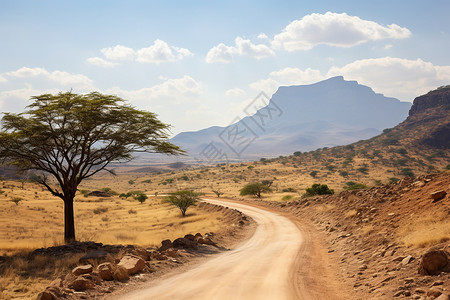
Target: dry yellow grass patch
(426, 230)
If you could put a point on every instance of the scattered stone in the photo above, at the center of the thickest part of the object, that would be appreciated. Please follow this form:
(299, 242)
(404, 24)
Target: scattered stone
(120, 274)
(171, 253)
(142, 253)
(132, 264)
(166, 244)
(437, 283)
(184, 243)
(433, 262)
(438, 195)
(443, 297)
(206, 241)
(105, 271)
(434, 292)
(47, 295)
(190, 237)
(80, 270)
(419, 291)
(81, 284)
(399, 258)
(407, 260)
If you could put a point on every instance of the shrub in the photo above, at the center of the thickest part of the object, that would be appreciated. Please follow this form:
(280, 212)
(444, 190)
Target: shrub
(393, 179)
(354, 185)
(132, 211)
(130, 181)
(407, 172)
(147, 181)
(100, 210)
(141, 197)
(286, 197)
(16, 200)
(289, 190)
(363, 170)
(343, 173)
(313, 174)
(297, 153)
(318, 189)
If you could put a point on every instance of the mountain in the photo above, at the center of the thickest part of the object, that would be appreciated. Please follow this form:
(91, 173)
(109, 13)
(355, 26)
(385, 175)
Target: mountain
(299, 118)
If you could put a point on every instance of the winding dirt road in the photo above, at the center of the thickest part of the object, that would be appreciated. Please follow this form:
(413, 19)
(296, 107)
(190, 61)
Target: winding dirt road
(261, 268)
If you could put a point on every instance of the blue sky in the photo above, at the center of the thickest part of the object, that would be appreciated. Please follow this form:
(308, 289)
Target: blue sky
(198, 63)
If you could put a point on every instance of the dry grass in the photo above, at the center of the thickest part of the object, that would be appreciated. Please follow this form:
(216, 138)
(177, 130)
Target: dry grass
(426, 230)
(350, 214)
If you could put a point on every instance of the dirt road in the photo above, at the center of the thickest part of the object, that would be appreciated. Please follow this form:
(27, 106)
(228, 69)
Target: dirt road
(261, 268)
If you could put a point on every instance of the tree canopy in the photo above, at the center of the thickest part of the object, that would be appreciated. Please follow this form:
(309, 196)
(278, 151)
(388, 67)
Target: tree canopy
(71, 137)
(254, 189)
(183, 200)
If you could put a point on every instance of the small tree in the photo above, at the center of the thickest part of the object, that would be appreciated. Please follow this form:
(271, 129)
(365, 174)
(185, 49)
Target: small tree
(267, 183)
(318, 189)
(183, 200)
(217, 192)
(255, 189)
(141, 197)
(72, 137)
(313, 174)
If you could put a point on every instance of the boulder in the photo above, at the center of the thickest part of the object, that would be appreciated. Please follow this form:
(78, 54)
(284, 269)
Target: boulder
(105, 271)
(47, 295)
(166, 244)
(120, 274)
(142, 253)
(132, 264)
(407, 260)
(80, 270)
(81, 284)
(184, 243)
(433, 262)
(171, 253)
(438, 195)
(190, 237)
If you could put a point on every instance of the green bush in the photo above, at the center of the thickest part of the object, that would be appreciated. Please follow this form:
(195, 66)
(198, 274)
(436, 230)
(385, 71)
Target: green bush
(393, 179)
(318, 189)
(289, 190)
(354, 185)
(286, 197)
(407, 172)
(313, 174)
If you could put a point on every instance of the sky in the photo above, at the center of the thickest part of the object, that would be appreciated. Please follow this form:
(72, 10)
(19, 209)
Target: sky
(199, 63)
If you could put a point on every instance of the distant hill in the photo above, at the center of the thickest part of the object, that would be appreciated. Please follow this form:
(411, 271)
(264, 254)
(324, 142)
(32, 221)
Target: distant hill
(305, 117)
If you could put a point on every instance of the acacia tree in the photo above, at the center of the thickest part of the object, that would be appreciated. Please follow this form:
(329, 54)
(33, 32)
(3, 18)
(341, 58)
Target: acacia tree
(71, 137)
(182, 200)
(255, 189)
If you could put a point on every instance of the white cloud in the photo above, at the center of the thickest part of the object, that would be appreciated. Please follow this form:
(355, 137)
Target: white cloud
(3, 79)
(396, 77)
(388, 46)
(60, 77)
(287, 76)
(100, 62)
(236, 92)
(119, 52)
(224, 54)
(161, 52)
(262, 36)
(175, 90)
(340, 30)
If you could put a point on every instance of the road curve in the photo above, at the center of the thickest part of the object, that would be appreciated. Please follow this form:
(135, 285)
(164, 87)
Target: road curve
(258, 269)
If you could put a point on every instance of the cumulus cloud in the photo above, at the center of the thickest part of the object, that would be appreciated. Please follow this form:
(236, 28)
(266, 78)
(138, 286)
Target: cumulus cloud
(100, 62)
(333, 29)
(60, 77)
(396, 77)
(287, 76)
(118, 52)
(224, 54)
(236, 92)
(174, 90)
(263, 36)
(159, 52)
(3, 79)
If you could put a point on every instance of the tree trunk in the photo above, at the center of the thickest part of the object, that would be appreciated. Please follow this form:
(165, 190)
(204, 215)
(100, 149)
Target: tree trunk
(69, 224)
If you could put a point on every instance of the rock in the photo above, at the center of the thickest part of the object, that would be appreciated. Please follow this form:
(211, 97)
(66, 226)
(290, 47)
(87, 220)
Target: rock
(399, 258)
(438, 195)
(198, 234)
(81, 284)
(433, 262)
(434, 292)
(132, 264)
(120, 274)
(97, 256)
(206, 241)
(184, 243)
(142, 253)
(160, 256)
(105, 271)
(190, 237)
(47, 295)
(171, 253)
(166, 244)
(436, 283)
(443, 297)
(407, 260)
(80, 270)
